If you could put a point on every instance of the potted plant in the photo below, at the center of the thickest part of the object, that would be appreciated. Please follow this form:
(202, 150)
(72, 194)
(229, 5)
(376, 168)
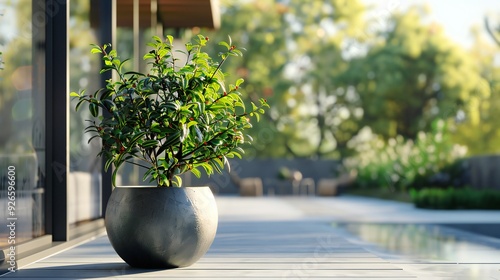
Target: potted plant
(171, 120)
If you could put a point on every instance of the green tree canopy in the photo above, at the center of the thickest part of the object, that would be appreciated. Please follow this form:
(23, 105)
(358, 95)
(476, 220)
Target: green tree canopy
(482, 136)
(294, 52)
(414, 75)
(329, 70)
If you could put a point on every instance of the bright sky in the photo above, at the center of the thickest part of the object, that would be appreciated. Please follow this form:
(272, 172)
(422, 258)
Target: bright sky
(456, 16)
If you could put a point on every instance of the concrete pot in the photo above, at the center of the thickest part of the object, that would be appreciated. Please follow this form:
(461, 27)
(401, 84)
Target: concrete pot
(151, 227)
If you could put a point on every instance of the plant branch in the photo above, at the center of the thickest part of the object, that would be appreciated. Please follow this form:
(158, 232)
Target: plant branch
(490, 31)
(138, 164)
(211, 139)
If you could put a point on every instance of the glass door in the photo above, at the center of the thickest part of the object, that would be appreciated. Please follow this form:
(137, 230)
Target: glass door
(22, 125)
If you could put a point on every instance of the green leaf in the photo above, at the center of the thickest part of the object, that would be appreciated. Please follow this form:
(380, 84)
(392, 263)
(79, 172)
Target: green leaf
(171, 105)
(235, 154)
(236, 53)
(88, 142)
(199, 135)
(136, 139)
(208, 168)
(226, 163)
(240, 150)
(149, 143)
(108, 163)
(222, 43)
(185, 133)
(148, 174)
(149, 56)
(113, 176)
(202, 40)
(189, 46)
(196, 172)
(177, 181)
(170, 141)
(74, 94)
(191, 123)
(94, 109)
(95, 49)
(170, 39)
(217, 164)
(133, 73)
(157, 39)
(162, 53)
(239, 82)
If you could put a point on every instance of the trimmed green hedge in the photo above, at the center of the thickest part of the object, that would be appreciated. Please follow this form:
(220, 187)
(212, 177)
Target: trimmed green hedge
(453, 198)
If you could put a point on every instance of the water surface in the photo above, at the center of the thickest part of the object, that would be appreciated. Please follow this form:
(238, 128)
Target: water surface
(422, 242)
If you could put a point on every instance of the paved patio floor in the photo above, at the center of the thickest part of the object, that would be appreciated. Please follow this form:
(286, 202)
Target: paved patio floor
(286, 238)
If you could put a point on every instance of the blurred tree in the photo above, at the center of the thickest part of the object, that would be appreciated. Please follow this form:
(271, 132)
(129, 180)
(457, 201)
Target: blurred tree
(294, 52)
(482, 137)
(414, 74)
(328, 71)
(330, 30)
(260, 27)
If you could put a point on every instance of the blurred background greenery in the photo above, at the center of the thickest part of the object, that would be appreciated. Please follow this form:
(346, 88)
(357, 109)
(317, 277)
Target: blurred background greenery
(382, 88)
(379, 86)
(332, 71)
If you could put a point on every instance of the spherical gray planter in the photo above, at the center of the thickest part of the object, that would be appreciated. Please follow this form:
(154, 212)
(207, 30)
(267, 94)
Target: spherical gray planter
(151, 227)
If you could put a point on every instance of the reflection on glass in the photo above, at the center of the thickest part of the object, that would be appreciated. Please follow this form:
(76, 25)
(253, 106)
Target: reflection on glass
(84, 180)
(22, 133)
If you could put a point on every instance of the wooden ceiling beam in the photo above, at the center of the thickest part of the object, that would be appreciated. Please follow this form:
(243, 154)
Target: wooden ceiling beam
(171, 13)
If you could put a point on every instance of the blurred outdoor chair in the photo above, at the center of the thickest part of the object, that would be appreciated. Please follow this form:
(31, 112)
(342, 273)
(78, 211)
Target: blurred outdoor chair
(331, 187)
(251, 186)
(307, 187)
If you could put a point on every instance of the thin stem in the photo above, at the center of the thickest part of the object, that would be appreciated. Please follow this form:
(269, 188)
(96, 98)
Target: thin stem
(201, 157)
(138, 164)
(219, 98)
(213, 74)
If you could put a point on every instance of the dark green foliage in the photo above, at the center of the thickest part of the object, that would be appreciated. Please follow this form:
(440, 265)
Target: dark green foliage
(456, 198)
(455, 174)
(173, 119)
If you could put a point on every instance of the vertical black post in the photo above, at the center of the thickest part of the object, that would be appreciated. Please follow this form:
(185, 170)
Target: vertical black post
(57, 115)
(107, 31)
